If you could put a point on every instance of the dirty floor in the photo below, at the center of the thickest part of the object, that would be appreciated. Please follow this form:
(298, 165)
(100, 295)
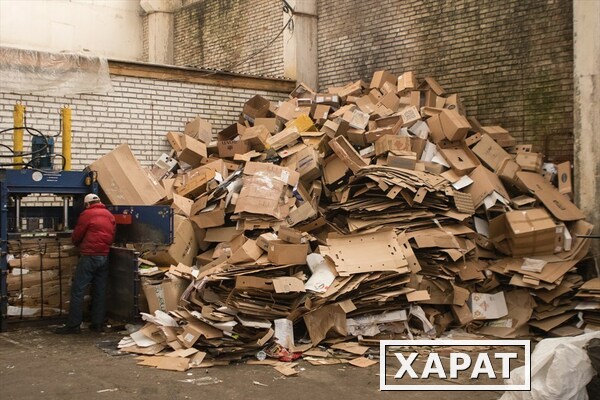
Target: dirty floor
(37, 364)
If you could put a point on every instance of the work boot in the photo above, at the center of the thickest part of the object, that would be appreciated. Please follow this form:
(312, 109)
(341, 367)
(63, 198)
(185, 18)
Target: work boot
(67, 330)
(96, 328)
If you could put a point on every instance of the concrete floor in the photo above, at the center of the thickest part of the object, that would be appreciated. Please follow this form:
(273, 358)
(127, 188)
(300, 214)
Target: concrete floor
(36, 364)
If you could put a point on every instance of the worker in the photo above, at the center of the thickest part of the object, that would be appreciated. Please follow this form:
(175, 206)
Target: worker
(93, 234)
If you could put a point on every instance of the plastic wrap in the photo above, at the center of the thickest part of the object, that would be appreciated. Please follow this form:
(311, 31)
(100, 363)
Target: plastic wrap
(57, 74)
(560, 370)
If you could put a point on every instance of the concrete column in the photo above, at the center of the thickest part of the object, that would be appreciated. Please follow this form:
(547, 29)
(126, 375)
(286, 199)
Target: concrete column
(586, 44)
(160, 29)
(300, 44)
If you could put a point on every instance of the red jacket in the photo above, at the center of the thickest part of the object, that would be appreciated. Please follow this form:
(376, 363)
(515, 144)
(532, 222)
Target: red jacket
(95, 231)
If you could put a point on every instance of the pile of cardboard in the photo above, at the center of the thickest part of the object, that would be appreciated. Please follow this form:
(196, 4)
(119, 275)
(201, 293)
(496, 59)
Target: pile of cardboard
(375, 210)
(39, 277)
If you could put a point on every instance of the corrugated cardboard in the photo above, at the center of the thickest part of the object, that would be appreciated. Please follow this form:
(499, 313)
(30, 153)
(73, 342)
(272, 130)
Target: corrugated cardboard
(485, 183)
(530, 161)
(282, 253)
(195, 329)
(380, 77)
(394, 144)
(124, 181)
(195, 182)
(565, 185)
(184, 247)
(347, 154)
(199, 129)
(488, 306)
(561, 207)
(353, 254)
(490, 152)
(454, 125)
(192, 151)
(256, 136)
(459, 156)
(256, 107)
(174, 140)
(166, 295)
(407, 81)
(531, 232)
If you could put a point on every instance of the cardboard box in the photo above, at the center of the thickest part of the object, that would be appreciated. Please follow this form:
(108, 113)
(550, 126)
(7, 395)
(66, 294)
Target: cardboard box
(407, 81)
(408, 160)
(192, 151)
(174, 140)
(256, 137)
(459, 156)
(124, 181)
(347, 154)
(291, 235)
(409, 116)
(286, 137)
(184, 247)
(561, 207)
(527, 232)
(269, 123)
(485, 183)
(565, 185)
(380, 77)
(282, 253)
(490, 152)
(306, 163)
(229, 148)
(199, 129)
(165, 296)
(195, 182)
(265, 239)
(394, 144)
(454, 125)
(530, 161)
(256, 107)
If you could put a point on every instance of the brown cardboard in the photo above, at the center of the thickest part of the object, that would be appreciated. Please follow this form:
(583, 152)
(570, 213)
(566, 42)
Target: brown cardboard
(263, 240)
(212, 216)
(565, 184)
(380, 77)
(490, 152)
(196, 182)
(488, 306)
(229, 148)
(561, 207)
(269, 123)
(406, 81)
(256, 136)
(286, 137)
(394, 144)
(288, 284)
(454, 125)
(459, 156)
(282, 253)
(291, 235)
(485, 183)
(192, 151)
(347, 154)
(306, 163)
(124, 181)
(530, 161)
(184, 247)
(528, 232)
(354, 253)
(174, 140)
(195, 329)
(199, 129)
(166, 295)
(256, 107)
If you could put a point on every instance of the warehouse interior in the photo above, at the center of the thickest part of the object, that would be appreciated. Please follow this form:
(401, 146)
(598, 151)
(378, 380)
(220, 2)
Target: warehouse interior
(244, 148)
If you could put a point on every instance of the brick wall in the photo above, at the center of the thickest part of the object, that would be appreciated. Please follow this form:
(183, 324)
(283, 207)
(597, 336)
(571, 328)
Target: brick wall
(140, 112)
(221, 33)
(510, 60)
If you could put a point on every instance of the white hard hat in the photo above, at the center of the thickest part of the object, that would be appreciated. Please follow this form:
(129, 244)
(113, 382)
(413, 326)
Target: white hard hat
(90, 198)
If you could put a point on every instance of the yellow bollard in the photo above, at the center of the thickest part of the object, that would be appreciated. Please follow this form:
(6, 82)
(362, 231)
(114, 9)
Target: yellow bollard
(66, 136)
(19, 122)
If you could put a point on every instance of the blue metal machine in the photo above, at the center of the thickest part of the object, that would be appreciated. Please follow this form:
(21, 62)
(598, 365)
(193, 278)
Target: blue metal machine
(18, 222)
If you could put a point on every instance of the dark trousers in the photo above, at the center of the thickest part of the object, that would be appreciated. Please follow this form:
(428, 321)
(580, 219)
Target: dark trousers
(94, 270)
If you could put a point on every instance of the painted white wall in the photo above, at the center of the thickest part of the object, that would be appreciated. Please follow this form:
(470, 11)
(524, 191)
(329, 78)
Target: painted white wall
(108, 28)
